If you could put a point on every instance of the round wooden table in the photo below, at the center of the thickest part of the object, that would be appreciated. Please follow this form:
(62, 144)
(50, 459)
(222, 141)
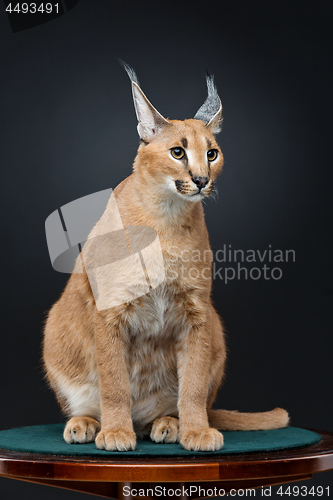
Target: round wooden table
(170, 477)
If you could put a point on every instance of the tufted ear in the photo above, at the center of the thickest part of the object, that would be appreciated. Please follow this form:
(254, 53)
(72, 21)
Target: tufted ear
(211, 110)
(151, 122)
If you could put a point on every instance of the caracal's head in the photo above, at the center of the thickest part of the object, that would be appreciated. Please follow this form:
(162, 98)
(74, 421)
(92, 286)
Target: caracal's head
(179, 158)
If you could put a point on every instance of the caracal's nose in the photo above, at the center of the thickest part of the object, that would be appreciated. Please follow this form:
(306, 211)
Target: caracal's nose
(201, 182)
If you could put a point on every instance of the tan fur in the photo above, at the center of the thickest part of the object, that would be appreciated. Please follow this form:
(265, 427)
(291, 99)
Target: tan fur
(141, 366)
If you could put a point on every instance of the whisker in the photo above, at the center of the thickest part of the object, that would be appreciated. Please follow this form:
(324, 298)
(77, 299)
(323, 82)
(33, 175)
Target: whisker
(214, 193)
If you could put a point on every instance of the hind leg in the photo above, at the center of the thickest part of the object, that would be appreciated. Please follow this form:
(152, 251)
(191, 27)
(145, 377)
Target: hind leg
(217, 362)
(81, 430)
(165, 430)
(81, 402)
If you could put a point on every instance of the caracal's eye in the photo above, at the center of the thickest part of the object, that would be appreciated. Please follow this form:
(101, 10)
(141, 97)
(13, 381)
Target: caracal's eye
(178, 153)
(212, 154)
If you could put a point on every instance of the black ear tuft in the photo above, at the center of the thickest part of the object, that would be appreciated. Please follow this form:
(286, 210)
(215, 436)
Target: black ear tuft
(130, 71)
(211, 110)
(150, 121)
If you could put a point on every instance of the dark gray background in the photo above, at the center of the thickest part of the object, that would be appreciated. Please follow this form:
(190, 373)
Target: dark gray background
(68, 129)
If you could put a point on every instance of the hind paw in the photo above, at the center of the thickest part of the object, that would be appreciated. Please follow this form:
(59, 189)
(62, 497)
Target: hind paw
(81, 430)
(165, 430)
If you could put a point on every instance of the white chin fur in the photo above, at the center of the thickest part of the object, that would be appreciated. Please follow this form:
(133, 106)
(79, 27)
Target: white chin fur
(190, 197)
(195, 197)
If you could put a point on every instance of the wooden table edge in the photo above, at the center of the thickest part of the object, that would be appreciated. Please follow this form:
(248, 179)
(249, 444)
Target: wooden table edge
(292, 462)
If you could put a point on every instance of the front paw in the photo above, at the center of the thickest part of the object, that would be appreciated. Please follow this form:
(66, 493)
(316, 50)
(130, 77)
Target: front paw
(165, 430)
(206, 439)
(81, 430)
(116, 440)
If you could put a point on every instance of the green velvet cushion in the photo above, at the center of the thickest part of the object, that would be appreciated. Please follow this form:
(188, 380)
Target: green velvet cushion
(48, 440)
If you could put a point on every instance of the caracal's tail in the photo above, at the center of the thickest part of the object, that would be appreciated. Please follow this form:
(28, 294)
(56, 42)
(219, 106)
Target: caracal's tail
(226, 420)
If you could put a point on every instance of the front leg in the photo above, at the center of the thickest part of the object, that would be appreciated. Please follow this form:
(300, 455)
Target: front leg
(116, 423)
(194, 359)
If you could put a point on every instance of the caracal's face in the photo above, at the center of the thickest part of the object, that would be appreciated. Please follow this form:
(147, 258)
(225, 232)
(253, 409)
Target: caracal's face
(184, 160)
